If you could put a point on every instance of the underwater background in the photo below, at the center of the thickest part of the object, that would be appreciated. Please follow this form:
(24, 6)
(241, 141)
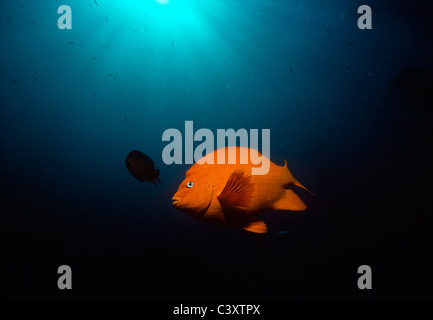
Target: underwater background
(350, 110)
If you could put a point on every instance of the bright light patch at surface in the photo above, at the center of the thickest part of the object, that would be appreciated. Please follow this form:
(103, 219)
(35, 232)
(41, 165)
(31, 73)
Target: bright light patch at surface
(162, 1)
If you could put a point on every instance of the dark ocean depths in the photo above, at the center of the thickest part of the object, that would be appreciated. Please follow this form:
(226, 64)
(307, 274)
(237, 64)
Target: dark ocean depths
(350, 110)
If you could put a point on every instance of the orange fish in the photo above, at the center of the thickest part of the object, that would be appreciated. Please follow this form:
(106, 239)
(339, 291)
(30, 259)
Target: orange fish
(227, 194)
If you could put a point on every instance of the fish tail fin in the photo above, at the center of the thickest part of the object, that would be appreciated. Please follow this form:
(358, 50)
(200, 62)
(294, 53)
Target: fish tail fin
(290, 201)
(294, 181)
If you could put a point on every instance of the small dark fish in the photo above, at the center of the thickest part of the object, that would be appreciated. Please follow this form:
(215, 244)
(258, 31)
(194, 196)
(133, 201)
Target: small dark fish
(96, 3)
(291, 70)
(7, 17)
(142, 167)
(327, 30)
(71, 42)
(126, 120)
(14, 81)
(46, 69)
(172, 43)
(90, 5)
(13, 128)
(33, 22)
(106, 18)
(350, 43)
(168, 110)
(93, 58)
(110, 75)
(36, 80)
(297, 3)
(115, 78)
(93, 93)
(327, 65)
(347, 68)
(21, 6)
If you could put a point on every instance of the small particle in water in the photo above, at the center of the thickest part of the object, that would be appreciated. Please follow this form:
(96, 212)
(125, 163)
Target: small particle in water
(34, 78)
(110, 75)
(291, 70)
(126, 120)
(350, 43)
(71, 42)
(14, 81)
(46, 69)
(327, 65)
(13, 128)
(284, 232)
(93, 58)
(347, 68)
(93, 93)
(115, 78)
(172, 43)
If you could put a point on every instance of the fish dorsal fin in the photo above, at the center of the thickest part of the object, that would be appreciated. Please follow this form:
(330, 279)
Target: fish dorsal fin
(238, 191)
(256, 226)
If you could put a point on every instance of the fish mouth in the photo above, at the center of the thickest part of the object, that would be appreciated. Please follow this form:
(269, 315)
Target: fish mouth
(175, 201)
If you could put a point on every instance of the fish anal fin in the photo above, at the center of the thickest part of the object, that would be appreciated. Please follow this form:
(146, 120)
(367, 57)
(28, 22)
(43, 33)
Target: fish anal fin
(238, 191)
(256, 226)
(290, 201)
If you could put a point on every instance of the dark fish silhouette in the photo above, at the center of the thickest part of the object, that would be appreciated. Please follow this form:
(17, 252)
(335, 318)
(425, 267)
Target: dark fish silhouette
(415, 85)
(142, 167)
(93, 58)
(291, 70)
(96, 3)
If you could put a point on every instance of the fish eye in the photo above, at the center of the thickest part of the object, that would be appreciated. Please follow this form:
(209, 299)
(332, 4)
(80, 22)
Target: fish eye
(189, 184)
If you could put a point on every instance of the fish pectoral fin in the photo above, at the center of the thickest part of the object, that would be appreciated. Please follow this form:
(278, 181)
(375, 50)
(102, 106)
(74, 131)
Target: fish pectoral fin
(256, 226)
(238, 191)
(290, 201)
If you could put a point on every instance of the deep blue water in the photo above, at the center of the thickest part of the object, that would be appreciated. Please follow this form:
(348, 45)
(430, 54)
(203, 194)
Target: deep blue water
(75, 102)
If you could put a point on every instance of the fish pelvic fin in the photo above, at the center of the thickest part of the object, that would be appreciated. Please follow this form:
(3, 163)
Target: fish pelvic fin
(238, 191)
(290, 201)
(256, 226)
